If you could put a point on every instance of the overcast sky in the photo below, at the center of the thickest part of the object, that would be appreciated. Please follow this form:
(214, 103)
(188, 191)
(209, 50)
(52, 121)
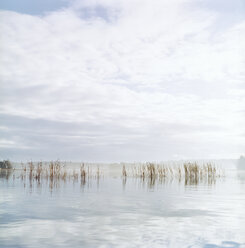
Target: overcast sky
(122, 80)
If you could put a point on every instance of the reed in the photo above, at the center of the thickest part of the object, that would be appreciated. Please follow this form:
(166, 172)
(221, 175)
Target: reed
(124, 172)
(6, 164)
(38, 171)
(191, 173)
(55, 171)
(83, 172)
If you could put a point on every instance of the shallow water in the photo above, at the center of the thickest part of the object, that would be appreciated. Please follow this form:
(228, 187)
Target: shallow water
(113, 212)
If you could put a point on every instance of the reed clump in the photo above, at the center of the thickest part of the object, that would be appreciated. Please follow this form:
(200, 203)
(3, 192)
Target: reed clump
(151, 170)
(55, 172)
(195, 173)
(124, 171)
(6, 169)
(190, 172)
(6, 164)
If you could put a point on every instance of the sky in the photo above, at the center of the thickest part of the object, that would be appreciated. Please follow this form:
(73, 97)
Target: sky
(122, 80)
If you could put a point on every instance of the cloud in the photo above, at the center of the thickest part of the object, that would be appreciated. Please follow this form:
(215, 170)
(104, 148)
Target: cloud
(139, 80)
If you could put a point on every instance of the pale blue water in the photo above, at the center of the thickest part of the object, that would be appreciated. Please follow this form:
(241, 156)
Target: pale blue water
(114, 213)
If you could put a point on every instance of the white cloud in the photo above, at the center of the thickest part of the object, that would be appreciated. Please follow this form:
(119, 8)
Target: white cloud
(6, 143)
(139, 66)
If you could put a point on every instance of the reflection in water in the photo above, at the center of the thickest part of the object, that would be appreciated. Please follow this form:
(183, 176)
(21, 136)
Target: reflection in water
(6, 173)
(209, 180)
(241, 176)
(56, 174)
(225, 244)
(58, 178)
(124, 181)
(87, 208)
(241, 163)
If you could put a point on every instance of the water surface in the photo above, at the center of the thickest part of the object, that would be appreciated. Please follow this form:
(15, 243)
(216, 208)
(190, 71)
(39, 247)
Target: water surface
(117, 212)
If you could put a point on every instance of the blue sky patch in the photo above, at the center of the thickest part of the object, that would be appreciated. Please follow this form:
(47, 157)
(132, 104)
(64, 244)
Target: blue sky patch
(33, 7)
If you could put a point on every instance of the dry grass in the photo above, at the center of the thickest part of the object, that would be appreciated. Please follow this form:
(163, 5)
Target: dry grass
(55, 172)
(190, 172)
(6, 164)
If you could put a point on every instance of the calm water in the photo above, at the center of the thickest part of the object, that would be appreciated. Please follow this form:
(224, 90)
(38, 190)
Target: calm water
(112, 212)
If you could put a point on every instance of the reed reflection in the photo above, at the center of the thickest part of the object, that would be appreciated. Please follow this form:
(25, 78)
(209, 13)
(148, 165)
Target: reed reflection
(56, 174)
(6, 173)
